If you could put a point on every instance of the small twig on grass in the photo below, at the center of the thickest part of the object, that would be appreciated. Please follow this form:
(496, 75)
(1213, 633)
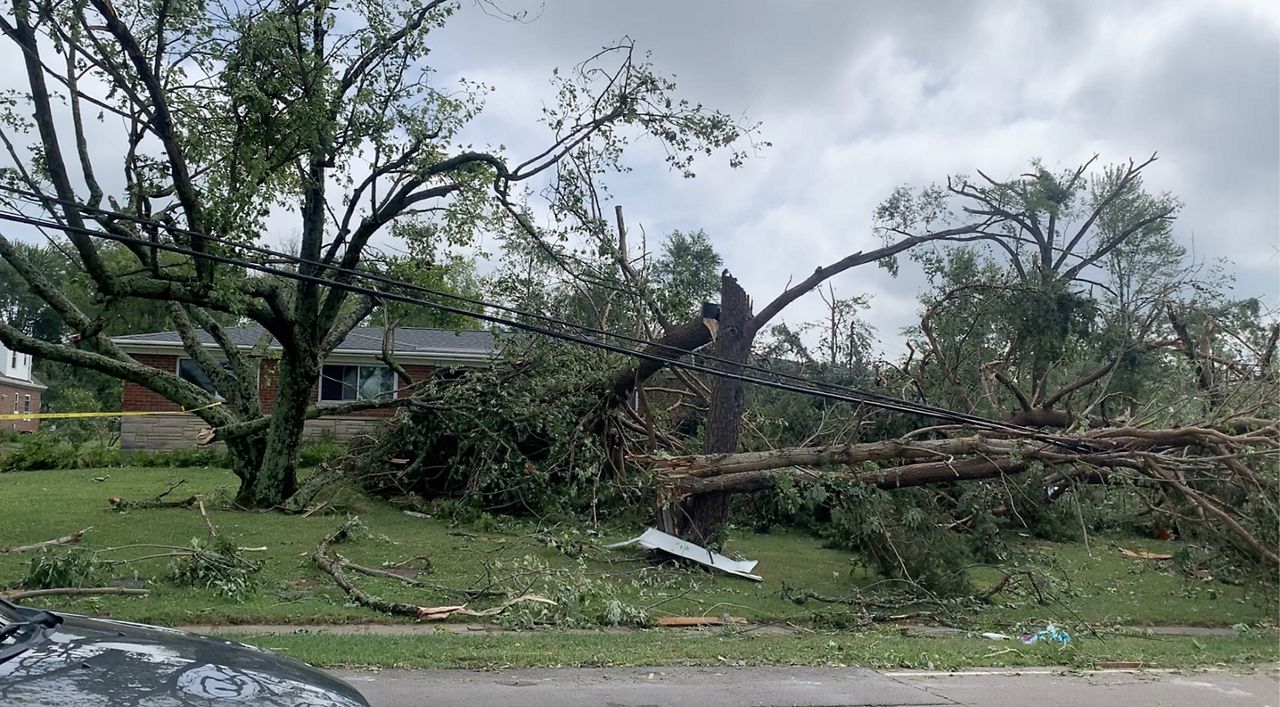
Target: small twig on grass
(64, 540)
(208, 524)
(75, 591)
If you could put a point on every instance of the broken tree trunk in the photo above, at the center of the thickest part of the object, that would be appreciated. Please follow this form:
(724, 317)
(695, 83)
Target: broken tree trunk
(693, 334)
(1164, 456)
(699, 517)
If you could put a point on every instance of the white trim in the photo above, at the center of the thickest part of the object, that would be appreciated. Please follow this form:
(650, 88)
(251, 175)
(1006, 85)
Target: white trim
(19, 383)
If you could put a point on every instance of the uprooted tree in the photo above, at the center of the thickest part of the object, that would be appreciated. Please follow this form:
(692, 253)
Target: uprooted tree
(1079, 313)
(1152, 381)
(223, 117)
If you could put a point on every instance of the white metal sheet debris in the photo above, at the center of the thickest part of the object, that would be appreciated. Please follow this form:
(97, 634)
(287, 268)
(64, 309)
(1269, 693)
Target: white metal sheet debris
(654, 539)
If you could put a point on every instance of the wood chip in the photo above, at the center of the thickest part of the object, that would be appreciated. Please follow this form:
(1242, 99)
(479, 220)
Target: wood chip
(1144, 555)
(680, 621)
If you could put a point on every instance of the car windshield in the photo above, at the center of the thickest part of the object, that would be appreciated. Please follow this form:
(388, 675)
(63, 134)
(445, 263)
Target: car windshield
(21, 628)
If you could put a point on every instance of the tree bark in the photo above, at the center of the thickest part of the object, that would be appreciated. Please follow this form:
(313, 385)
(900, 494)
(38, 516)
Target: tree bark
(275, 479)
(700, 517)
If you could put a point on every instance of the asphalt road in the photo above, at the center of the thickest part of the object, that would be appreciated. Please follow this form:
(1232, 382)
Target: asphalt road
(807, 687)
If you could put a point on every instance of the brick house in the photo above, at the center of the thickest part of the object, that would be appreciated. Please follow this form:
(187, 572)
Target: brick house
(352, 372)
(19, 390)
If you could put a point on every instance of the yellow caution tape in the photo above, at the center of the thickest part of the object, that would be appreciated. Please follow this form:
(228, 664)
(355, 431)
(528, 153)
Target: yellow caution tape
(73, 415)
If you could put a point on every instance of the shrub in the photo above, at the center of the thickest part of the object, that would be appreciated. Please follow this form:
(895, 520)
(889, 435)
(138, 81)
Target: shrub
(322, 450)
(39, 450)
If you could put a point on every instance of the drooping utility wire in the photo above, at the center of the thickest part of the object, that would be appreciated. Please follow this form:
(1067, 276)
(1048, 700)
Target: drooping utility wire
(851, 396)
(861, 395)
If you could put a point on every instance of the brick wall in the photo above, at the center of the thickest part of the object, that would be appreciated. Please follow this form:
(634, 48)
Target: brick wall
(179, 430)
(268, 384)
(139, 399)
(8, 395)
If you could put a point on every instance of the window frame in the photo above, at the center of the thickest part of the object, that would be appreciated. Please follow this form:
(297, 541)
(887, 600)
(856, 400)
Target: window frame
(26, 404)
(177, 371)
(392, 393)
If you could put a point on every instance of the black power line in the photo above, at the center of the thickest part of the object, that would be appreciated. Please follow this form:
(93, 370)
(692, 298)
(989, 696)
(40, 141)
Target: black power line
(864, 396)
(852, 396)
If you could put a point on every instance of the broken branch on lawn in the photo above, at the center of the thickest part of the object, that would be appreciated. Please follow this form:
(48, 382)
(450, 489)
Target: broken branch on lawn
(64, 540)
(333, 564)
(121, 504)
(75, 591)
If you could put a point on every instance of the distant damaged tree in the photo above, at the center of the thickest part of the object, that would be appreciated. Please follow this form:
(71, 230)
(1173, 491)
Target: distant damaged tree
(1053, 299)
(221, 114)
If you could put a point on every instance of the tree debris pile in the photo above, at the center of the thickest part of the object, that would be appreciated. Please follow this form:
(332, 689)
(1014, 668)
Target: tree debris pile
(1208, 483)
(509, 437)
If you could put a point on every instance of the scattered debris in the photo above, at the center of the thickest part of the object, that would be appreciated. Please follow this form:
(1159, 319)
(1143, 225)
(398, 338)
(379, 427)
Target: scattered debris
(415, 514)
(1144, 555)
(335, 565)
(1049, 633)
(995, 636)
(682, 621)
(654, 539)
(64, 540)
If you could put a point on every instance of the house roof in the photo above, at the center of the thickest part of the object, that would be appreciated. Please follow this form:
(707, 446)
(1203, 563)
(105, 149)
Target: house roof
(33, 384)
(408, 341)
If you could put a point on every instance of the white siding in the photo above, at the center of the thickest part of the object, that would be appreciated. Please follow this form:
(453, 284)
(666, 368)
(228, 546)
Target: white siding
(14, 364)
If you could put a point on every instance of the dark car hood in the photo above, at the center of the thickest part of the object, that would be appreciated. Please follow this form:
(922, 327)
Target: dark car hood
(90, 662)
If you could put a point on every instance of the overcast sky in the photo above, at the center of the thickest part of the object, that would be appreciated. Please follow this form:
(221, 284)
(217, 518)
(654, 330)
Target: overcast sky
(859, 97)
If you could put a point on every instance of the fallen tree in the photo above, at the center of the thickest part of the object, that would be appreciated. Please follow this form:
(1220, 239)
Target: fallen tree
(1213, 471)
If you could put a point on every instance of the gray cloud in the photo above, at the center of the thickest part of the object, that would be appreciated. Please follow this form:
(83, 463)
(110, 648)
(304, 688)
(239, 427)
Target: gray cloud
(859, 97)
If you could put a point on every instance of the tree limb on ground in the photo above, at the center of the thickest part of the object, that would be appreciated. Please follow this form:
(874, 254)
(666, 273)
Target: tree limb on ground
(75, 591)
(64, 540)
(333, 564)
(121, 504)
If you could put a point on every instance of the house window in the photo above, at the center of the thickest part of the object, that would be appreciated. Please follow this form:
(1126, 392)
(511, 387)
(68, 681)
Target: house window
(343, 383)
(26, 403)
(191, 372)
(13, 359)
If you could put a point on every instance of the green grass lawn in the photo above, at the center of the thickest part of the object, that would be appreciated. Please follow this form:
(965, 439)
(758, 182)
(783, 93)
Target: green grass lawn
(1099, 589)
(878, 648)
